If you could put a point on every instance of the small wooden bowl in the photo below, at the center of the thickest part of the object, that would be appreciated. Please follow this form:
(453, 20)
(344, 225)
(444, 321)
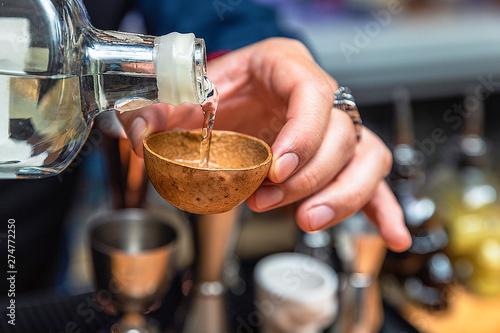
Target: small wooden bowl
(242, 163)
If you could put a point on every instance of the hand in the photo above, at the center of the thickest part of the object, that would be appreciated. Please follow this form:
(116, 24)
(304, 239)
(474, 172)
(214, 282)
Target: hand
(274, 90)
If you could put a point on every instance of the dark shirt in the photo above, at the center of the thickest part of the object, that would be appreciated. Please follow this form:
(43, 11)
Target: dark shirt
(225, 25)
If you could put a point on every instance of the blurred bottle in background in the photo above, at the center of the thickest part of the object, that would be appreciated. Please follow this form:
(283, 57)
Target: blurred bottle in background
(466, 190)
(421, 274)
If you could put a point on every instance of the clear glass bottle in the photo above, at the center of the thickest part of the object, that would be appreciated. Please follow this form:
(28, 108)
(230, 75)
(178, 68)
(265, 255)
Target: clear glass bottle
(57, 72)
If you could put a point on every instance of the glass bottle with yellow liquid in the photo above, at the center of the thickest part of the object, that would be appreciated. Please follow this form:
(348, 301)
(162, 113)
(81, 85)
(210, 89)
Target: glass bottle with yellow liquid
(57, 72)
(467, 192)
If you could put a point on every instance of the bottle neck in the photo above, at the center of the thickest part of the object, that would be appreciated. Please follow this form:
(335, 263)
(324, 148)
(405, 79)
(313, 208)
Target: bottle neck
(122, 69)
(113, 52)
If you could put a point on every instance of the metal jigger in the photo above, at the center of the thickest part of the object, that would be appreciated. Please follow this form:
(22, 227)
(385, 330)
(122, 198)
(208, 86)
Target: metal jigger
(133, 257)
(214, 243)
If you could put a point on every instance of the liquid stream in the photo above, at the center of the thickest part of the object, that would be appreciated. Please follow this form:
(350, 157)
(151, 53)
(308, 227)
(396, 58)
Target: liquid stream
(209, 108)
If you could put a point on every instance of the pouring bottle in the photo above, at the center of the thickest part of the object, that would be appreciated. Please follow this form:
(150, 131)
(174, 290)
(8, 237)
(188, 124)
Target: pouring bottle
(58, 72)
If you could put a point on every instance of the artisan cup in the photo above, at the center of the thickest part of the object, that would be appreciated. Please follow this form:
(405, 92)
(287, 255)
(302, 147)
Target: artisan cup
(242, 163)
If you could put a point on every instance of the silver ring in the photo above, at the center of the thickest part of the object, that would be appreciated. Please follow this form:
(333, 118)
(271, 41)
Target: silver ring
(345, 102)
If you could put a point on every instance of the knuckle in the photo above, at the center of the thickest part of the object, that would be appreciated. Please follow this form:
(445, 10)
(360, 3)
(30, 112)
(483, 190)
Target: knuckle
(386, 159)
(289, 46)
(295, 44)
(382, 155)
(333, 82)
(356, 197)
(310, 182)
(325, 89)
(305, 149)
(347, 134)
(351, 141)
(315, 140)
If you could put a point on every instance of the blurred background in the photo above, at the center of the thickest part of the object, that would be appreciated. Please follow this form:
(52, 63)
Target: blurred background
(426, 78)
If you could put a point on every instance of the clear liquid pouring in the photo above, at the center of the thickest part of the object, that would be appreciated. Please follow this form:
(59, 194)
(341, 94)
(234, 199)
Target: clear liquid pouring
(209, 108)
(57, 72)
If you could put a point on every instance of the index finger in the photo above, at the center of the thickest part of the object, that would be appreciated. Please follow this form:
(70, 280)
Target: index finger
(308, 94)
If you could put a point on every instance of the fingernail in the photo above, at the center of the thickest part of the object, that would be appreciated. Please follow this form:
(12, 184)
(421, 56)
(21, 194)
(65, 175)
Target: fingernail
(137, 129)
(268, 196)
(320, 217)
(285, 165)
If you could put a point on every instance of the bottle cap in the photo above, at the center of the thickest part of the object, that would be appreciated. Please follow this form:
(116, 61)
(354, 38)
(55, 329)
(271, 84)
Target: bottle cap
(179, 61)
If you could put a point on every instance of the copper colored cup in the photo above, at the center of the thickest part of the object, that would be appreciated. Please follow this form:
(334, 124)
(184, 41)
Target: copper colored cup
(242, 163)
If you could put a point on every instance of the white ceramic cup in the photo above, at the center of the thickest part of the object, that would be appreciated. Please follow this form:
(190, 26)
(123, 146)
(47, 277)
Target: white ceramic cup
(295, 293)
